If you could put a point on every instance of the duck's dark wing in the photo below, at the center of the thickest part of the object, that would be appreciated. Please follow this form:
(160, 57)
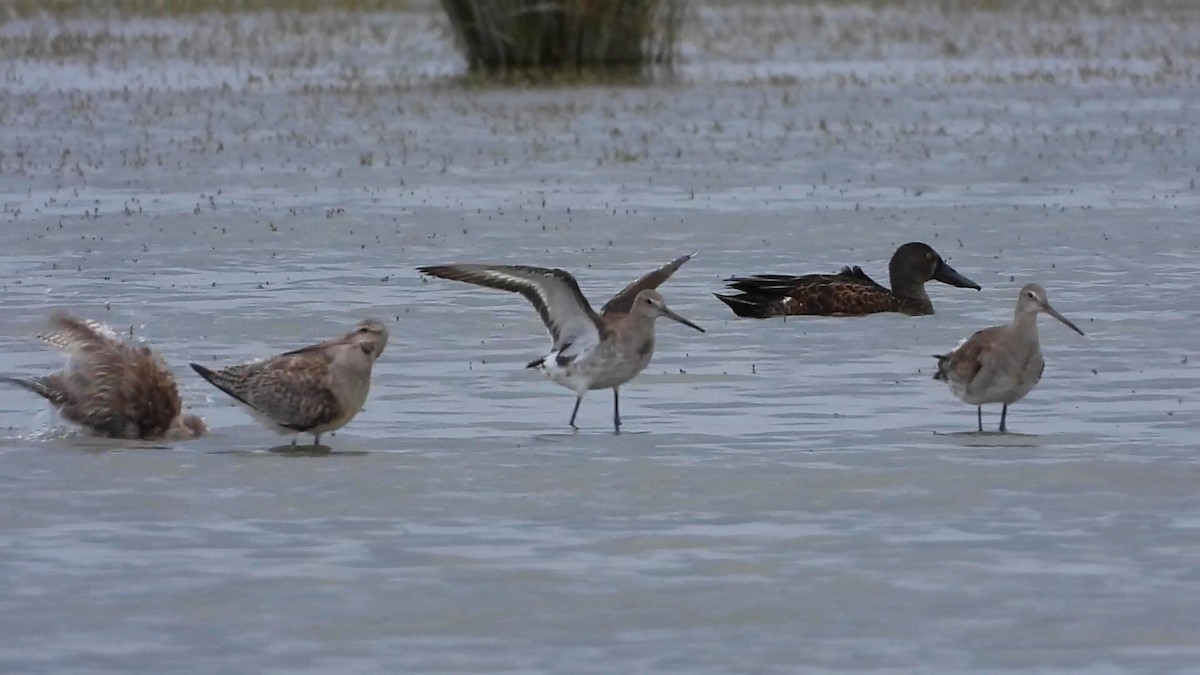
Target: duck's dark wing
(780, 285)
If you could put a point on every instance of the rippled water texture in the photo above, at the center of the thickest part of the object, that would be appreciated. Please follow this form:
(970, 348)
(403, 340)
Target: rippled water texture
(789, 495)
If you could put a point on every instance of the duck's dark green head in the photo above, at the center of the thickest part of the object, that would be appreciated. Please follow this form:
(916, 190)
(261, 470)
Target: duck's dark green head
(916, 263)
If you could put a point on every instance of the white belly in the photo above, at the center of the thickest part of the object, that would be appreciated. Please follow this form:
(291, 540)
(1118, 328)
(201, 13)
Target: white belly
(604, 367)
(1007, 382)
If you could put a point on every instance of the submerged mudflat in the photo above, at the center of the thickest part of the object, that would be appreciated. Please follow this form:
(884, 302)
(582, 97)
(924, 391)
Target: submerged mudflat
(788, 495)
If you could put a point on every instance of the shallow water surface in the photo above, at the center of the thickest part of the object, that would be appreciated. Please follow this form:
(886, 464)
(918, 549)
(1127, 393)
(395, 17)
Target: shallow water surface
(787, 495)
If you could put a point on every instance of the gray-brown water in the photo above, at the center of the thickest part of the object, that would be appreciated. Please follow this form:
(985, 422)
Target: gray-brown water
(788, 495)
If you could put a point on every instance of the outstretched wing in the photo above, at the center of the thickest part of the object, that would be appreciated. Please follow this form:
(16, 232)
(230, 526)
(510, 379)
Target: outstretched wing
(79, 336)
(553, 292)
(622, 302)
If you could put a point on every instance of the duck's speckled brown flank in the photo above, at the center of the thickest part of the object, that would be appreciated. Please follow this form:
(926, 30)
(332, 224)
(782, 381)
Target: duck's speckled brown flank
(848, 293)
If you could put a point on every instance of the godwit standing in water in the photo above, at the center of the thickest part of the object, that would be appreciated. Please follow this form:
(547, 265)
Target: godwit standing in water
(111, 387)
(590, 351)
(311, 390)
(848, 293)
(1002, 363)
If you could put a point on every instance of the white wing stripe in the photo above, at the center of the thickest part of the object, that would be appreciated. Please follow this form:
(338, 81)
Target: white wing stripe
(566, 313)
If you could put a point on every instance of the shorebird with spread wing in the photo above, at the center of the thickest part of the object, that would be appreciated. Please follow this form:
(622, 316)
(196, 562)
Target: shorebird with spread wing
(590, 350)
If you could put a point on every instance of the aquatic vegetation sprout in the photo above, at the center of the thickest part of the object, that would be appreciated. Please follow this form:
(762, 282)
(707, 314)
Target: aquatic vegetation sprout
(504, 34)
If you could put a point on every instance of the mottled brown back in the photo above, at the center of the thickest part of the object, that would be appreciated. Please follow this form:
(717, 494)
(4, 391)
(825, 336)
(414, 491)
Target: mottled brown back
(965, 362)
(292, 390)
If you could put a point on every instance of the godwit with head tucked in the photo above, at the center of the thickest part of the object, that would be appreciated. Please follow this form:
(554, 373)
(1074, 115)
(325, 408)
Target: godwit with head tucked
(1000, 364)
(590, 350)
(311, 390)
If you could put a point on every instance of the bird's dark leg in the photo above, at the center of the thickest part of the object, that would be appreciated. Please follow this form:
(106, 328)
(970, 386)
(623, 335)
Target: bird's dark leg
(294, 439)
(578, 400)
(1003, 416)
(979, 416)
(616, 411)
(316, 439)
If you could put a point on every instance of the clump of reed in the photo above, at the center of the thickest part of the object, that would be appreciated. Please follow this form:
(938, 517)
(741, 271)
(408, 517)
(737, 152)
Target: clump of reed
(500, 35)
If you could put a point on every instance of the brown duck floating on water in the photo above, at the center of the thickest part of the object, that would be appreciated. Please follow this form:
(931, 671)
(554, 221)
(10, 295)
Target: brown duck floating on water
(111, 387)
(848, 293)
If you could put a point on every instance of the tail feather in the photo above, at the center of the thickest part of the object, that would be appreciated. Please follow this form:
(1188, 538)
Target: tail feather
(219, 379)
(42, 386)
(942, 366)
(746, 306)
(206, 373)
